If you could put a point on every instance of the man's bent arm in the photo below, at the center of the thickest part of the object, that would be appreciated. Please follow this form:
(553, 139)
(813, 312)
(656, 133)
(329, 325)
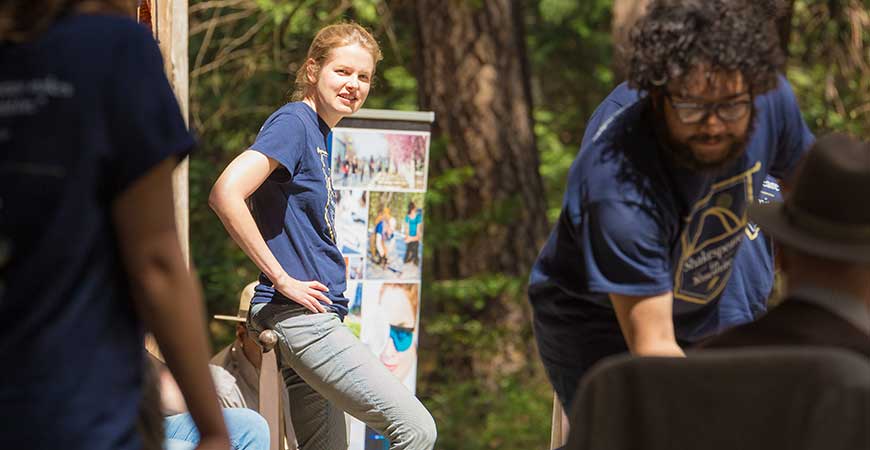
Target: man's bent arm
(647, 324)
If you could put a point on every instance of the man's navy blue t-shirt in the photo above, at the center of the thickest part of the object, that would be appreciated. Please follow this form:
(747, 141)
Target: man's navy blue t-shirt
(632, 223)
(295, 207)
(85, 111)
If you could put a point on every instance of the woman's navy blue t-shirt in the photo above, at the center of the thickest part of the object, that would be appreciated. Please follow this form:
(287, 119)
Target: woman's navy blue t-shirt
(295, 207)
(85, 111)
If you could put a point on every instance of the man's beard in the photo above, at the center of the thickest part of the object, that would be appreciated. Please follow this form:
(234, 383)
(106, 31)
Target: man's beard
(681, 152)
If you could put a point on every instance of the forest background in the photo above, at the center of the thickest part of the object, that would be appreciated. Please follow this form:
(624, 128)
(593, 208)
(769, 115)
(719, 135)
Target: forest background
(511, 83)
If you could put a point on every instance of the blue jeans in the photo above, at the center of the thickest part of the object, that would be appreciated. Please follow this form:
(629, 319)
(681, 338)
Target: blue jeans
(248, 430)
(328, 371)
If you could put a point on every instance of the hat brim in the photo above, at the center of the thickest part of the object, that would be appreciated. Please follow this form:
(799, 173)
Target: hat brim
(230, 318)
(773, 222)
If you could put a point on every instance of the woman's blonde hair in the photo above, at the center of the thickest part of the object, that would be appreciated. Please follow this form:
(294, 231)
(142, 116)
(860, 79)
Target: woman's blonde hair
(326, 40)
(23, 20)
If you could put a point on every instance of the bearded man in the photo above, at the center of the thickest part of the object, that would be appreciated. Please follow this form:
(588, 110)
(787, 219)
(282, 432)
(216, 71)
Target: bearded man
(653, 249)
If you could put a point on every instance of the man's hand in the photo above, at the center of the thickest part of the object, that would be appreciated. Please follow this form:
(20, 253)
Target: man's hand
(647, 324)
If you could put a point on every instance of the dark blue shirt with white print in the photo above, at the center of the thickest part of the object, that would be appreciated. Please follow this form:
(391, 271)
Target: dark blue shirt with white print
(295, 207)
(85, 112)
(633, 223)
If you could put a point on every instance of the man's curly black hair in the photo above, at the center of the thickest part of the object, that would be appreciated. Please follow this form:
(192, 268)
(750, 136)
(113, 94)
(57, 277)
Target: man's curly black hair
(677, 35)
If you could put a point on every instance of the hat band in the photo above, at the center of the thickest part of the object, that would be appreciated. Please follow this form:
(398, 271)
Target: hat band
(823, 227)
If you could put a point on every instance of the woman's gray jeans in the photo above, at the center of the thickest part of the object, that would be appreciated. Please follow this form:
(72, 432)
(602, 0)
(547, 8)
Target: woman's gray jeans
(328, 371)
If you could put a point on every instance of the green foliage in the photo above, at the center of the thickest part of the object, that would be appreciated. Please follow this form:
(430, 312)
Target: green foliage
(513, 416)
(829, 64)
(570, 51)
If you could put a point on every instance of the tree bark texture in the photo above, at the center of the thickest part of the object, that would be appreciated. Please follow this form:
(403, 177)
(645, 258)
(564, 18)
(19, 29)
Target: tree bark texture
(625, 15)
(473, 74)
(783, 24)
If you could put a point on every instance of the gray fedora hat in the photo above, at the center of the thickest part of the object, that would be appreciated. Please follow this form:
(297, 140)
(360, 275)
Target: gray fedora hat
(828, 212)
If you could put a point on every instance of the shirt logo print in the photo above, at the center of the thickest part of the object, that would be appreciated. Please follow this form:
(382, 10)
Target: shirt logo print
(713, 234)
(329, 209)
(770, 192)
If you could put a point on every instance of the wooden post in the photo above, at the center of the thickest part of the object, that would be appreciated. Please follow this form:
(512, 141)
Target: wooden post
(270, 388)
(559, 429)
(170, 27)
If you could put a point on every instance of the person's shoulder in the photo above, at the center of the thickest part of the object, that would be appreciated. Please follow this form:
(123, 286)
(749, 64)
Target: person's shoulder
(224, 381)
(781, 96)
(622, 95)
(613, 112)
(221, 357)
(97, 43)
(220, 372)
(290, 118)
(301, 112)
(299, 109)
(619, 122)
(293, 115)
(790, 323)
(107, 29)
(621, 159)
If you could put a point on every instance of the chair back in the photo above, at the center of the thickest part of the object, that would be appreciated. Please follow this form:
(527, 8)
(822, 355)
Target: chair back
(750, 398)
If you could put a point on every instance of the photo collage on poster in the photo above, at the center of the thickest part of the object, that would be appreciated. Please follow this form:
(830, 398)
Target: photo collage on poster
(379, 178)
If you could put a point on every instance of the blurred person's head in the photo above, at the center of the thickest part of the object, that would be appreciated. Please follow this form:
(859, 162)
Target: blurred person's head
(702, 63)
(22, 20)
(337, 73)
(398, 301)
(822, 228)
(244, 340)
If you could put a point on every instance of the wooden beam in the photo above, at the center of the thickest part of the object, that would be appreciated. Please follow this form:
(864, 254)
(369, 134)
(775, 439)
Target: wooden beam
(170, 28)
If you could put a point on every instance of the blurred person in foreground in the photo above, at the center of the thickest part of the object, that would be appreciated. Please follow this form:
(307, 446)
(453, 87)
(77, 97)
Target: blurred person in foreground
(824, 241)
(90, 133)
(653, 249)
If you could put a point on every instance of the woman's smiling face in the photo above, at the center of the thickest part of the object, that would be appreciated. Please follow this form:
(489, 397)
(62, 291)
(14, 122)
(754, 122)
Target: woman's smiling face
(343, 83)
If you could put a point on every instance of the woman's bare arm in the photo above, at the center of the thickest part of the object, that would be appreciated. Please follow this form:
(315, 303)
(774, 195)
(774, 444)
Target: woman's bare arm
(167, 297)
(237, 182)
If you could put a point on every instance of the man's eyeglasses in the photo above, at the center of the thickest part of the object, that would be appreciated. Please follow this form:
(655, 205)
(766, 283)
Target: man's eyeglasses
(402, 337)
(691, 113)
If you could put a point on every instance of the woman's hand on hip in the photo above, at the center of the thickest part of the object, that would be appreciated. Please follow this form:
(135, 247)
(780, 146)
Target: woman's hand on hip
(306, 293)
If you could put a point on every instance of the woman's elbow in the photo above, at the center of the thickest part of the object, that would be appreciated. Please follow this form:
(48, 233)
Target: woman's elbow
(218, 197)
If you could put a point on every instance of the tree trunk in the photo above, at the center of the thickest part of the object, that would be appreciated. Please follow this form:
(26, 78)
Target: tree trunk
(783, 24)
(625, 14)
(473, 74)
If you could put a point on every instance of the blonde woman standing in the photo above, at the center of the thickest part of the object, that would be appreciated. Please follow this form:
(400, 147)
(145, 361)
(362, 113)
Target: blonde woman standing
(289, 233)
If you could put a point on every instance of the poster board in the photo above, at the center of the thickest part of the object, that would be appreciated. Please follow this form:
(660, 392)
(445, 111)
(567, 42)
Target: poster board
(379, 163)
